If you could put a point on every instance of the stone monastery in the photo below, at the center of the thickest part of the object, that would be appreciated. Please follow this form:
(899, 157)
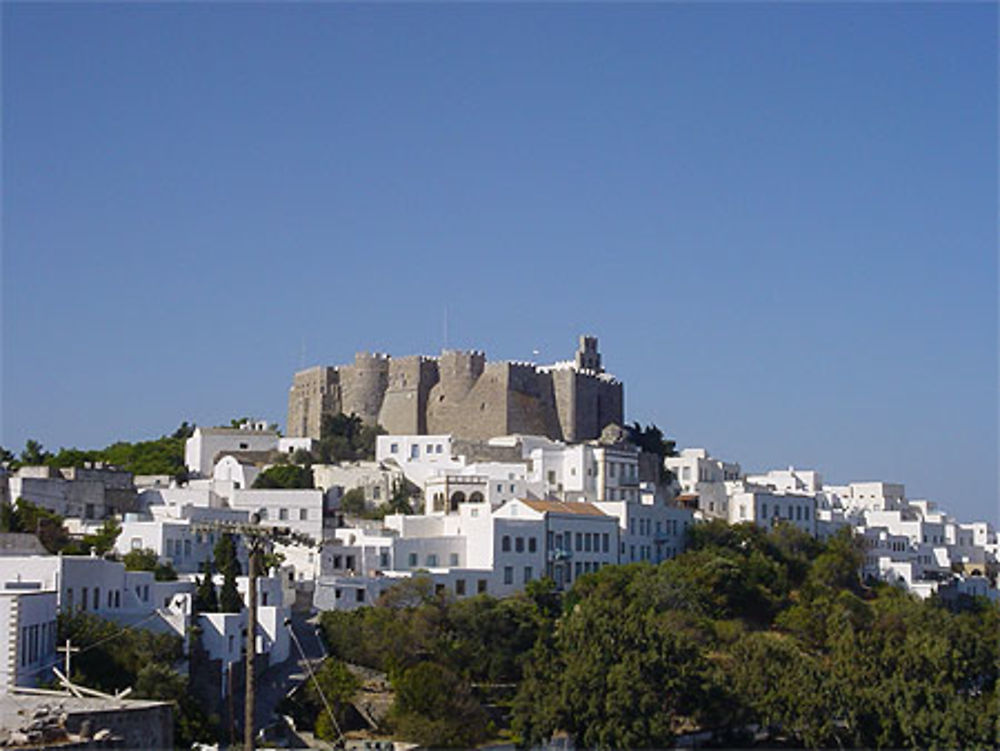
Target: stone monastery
(461, 394)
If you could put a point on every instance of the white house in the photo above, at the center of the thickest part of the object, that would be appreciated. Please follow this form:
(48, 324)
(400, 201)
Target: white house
(651, 532)
(27, 634)
(748, 503)
(205, 444)
(697, 474)
(304, 511)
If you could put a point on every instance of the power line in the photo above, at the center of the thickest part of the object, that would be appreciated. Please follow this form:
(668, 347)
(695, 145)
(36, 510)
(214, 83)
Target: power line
(319, 689)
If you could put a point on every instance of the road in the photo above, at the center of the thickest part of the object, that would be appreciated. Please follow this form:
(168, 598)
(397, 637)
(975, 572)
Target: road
(278, 680)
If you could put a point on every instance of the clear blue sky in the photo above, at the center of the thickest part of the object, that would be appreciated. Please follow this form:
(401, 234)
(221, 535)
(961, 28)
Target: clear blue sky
(780, 219)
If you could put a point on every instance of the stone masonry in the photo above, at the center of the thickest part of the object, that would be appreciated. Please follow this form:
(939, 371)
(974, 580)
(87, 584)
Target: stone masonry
(462, 394)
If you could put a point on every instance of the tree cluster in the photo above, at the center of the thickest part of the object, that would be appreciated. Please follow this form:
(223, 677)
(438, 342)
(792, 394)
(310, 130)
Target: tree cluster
(651, 440)
(162, 456)
(442, 657)
(284, 476)
(27, 517)
(146, 559)
(114, 657)
(756, 637)
(345, 438)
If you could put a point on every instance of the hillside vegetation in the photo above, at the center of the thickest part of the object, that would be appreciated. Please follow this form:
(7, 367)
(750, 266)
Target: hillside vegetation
(759, 638)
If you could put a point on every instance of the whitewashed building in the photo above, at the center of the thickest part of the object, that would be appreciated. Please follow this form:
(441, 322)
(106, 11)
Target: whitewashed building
(205, 444)
(28, 633)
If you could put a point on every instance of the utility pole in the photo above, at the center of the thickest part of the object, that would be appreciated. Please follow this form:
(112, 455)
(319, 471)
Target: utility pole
(254, 547)
(256, 537)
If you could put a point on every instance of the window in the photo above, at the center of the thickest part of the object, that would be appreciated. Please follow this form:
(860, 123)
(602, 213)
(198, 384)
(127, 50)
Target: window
(505, 544)
(579, 542)
(283, 514)
(83, 599)
(437, 449)
(743, 511)
(605, 542)
(303, 514)
(244, 446)
(499, 487)
(376, 493)
(394, 448)
(481, 586)
(798, 513)
(136, 543)
(111, 598)
(763, 511)
(453, 559)
(579, 569)
(611, 469)
(414, 451)
(432, 559)
(508, 574)
(412, 560)
(519, 545)
(460, 587)
(586, 542)
(527, 574)
(532, 545)
(359, 596)
(552, 477)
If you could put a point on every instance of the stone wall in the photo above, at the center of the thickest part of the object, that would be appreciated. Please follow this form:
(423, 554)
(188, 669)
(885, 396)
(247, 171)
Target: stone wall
(314, 392)
(363, 385)
(140, 724)
(404, 406)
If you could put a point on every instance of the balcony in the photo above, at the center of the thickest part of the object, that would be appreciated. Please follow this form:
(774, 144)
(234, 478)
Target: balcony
(560, 554)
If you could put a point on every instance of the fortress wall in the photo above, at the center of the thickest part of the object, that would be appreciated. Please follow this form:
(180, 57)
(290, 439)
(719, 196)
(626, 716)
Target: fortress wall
(476, 409)
(314, 392)
(460, 393)
(363, 385)
(404, 407)
(564, 392)
(612, 408)
(531, 402)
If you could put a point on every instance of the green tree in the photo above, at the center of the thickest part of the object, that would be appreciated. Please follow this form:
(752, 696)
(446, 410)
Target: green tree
(184, 432)
(228, 565)
(302, 456)
(284, 476)
(434, 707)
(346, 438)
(205, 598)
(103, 541)
(338, 685)
(192, 724)
(147, 560)
(353, 502)
(27, 517)
(34, 453)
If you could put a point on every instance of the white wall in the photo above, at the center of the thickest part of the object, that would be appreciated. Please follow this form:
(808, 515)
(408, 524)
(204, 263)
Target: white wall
(27, 636)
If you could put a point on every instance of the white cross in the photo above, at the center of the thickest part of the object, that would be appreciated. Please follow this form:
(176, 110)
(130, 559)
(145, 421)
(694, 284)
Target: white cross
(68, 649)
